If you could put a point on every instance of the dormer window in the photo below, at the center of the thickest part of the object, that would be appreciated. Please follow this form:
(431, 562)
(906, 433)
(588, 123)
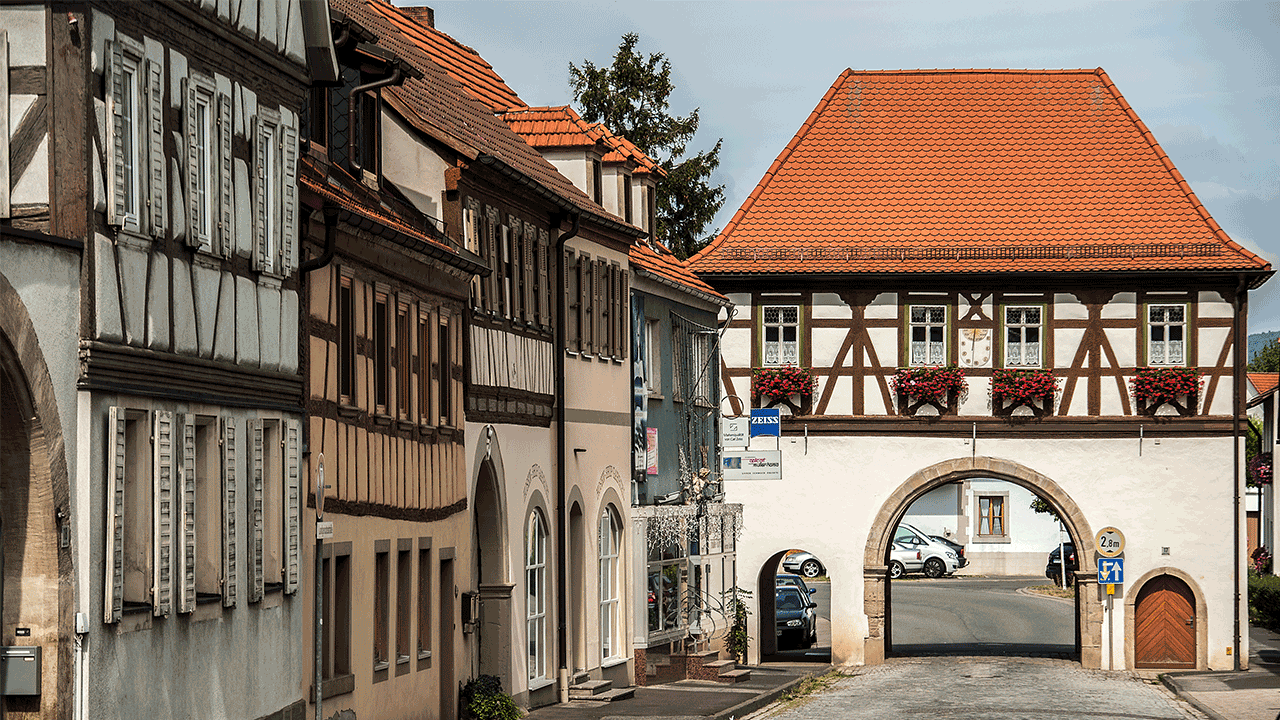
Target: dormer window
(352, 137)
(597, 183)
(626, 198)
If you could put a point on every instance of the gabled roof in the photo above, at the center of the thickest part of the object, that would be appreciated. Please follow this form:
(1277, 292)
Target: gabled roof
(560, 126)
(1262, 382)
(625, 150)
(437, 106)
(656, 261)
(461, 62)
(930, 171)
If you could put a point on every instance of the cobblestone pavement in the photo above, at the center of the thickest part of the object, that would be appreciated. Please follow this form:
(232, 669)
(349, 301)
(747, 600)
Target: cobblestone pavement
(952, 688)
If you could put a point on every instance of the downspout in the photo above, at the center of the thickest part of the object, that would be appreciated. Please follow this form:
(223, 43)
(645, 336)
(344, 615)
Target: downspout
(392, 79)
(330, 241)
(1241, 302)
(562, 635)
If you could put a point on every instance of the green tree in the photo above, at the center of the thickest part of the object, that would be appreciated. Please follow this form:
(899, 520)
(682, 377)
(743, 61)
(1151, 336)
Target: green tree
(1267, 359)
(630, 97)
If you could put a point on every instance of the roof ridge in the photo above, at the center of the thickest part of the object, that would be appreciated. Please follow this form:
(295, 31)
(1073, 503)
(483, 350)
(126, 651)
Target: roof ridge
(1173, 171)
(981, 71)
(769, 174)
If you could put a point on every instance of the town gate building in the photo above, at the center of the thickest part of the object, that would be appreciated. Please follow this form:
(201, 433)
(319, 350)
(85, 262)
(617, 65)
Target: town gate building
(995, 221)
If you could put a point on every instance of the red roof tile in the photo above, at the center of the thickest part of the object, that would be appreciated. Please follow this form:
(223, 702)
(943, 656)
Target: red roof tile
(560, 126)
(659, 261)
(1264, 382)
(972, 171)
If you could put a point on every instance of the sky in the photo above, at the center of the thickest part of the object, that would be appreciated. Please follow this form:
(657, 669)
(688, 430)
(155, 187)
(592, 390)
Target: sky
(1203, 76)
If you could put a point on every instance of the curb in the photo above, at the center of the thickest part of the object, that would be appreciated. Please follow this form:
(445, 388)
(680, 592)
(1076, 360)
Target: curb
(1172, 683)
(747, 707)
(1028, 593)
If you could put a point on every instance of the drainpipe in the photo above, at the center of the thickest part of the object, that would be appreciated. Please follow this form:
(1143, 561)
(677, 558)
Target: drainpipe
(1237, 380)
(392, 79)
(330, 241)
(562, 639)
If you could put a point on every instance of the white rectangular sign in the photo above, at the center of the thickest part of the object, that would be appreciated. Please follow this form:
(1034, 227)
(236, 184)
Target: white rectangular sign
(324, 530)
(755, 465)
(733, 432)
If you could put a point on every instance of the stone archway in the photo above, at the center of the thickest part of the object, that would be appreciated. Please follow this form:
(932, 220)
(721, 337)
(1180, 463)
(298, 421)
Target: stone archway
(875, 571)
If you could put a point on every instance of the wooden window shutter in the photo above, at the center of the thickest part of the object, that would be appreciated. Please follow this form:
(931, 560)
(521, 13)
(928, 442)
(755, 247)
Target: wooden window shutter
(571, 308)
(5, 208)
(512, 233)
(530, 271)
(155, 147)
(292, 505)
(114, 587)
(606, 308)
(261, 148)
(115, 116)
(495, 261)
(624, 316)
(256, 586)
(586, 303)
(165, 464)
(226, 219)
(544, 285)
(230, 489)
(289, 196)
(187, 536)
(597, 302)
(190, 94)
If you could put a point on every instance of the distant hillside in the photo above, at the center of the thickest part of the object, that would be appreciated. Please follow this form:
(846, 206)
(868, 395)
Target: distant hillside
(1257, 341)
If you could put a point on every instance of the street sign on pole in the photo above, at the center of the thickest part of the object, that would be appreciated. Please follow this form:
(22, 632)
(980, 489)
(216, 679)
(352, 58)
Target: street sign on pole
(1110, 542)
(1110, 571)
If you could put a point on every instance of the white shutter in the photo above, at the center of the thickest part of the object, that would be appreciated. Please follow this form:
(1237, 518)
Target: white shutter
(528, 245)
(187, 537)
(288, 184)
(292, 505)
(261, 148)
(226, 222)
(495, 262)
(162, 565)
(230, 488)
(155, 147)
(115, 118)
(114, 586)
(255, 510)
(194, 210)
(544, 287)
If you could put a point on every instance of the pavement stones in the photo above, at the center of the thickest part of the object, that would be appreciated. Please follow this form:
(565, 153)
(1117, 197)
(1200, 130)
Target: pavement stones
(1253, 694)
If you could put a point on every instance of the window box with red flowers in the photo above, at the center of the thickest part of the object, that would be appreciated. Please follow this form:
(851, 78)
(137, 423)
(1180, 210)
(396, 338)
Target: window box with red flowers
(925, 391)
(1023, 393)
(789, 386)
(1260, 470)
(1165, 391)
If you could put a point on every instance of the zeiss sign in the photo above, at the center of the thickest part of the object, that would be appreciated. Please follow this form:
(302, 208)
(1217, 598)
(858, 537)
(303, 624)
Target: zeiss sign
(766, 422)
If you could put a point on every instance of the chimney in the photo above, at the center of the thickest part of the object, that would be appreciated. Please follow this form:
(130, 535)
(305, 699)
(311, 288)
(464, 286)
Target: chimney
(422, 15)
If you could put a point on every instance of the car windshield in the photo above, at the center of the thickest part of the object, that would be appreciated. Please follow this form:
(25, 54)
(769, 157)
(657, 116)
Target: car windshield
(789, 601)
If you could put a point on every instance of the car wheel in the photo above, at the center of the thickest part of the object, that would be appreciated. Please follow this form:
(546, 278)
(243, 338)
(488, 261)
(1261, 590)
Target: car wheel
(896, 570)
(810, 569)
(934, 568)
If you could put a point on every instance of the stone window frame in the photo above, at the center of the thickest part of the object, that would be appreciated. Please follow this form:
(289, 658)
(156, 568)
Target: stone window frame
(978, 537)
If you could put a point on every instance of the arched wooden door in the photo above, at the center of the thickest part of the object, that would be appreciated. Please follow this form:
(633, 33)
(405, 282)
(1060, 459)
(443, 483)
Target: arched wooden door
(1164, 622)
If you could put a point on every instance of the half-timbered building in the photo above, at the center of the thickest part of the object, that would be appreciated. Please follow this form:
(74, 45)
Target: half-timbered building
(1023, 226)
(150, 200)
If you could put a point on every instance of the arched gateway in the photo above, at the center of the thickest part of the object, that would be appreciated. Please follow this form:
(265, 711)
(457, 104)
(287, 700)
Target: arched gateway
(874, 562)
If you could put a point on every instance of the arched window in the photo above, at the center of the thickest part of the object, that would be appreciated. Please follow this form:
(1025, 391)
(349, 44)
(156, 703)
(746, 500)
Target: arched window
(535, 570)
(610, 541)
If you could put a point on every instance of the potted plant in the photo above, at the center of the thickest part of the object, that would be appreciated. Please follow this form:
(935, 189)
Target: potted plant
(1023, 393)
(788, 385)
(483, 699)
(928, 390)
(1165, 391)
(1260, 469)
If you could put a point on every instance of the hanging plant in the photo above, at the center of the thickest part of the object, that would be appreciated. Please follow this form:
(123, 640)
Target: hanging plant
(1164, 385)
(1260, 469)
(1023, 387)
(934, 384)
(779, 383)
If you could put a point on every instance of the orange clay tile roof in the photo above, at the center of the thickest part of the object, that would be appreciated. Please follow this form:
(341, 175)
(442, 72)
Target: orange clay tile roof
(925, 171)
(560, 126)
(438, 106)
(658, 260)
(1264, 382)
(461, 62)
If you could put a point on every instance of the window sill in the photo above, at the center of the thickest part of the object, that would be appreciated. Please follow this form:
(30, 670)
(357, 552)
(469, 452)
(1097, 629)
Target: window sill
(655, 395)
(347, 411)
(613, 662)
(381, 666)
(207, 258)
(446, 430)
(424, 654)
(991, 540)
(405, 425)
(402, 659)
(539, 683)
(334, 686)
(382, 419)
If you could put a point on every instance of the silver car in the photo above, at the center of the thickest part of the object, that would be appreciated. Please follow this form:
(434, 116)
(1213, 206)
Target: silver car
(803, 563)
(939, 559)
(904, 559)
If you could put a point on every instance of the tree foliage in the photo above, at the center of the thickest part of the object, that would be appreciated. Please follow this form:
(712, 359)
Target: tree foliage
(1267, 359)
(630, 96)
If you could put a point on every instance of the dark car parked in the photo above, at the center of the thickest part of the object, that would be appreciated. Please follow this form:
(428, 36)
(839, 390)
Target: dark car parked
(954, 546)
(797, 622)
(1053, 570)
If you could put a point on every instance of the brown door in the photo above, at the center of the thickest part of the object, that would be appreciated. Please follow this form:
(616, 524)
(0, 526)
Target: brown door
(1165, 625)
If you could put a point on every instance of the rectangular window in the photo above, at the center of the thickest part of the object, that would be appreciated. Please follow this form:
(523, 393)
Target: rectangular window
(653, 356)
(597, 183)
(346, 343)
(381, 610)
(318, 117)
(626, 198)
(365, 141)
(507, 271)
(928, 330)
(991, 516)
(666, 568)
(138, 511)
(445, 346)
(272, 506)
(275, 225)
(404, 398)
(535, 568)
(381, 353)
(1166, 333)
(128, 133)
(404, 603)
(424, 602)
(1022, 326)
(341, 625)
(781, 329)
(208, 520)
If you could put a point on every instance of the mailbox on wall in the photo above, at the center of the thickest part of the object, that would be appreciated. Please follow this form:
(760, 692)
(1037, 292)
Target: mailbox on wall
(20, 670)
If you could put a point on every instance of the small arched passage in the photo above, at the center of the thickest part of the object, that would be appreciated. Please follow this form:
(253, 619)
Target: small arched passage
(765, 584)
(491, 572)
(876, 586)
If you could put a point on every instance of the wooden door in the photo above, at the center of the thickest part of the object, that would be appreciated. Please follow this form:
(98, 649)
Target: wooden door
(1165, 625)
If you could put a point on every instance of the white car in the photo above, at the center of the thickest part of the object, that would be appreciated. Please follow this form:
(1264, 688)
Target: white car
(904, 559)
(802, 563)
(939, 559)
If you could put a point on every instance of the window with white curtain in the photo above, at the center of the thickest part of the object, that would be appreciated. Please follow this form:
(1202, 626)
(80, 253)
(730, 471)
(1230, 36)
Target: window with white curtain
(928, 335)
(1166, 331)
(781, 328)
(1022, 336)
(535, 569)
(610, 537)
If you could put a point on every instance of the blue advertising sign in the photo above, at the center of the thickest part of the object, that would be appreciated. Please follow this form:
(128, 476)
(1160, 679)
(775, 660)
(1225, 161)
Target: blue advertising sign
(1110, 571)
(766, 422)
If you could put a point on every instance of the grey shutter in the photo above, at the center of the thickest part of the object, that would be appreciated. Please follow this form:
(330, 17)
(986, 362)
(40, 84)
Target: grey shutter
(261, 148)
(189, 99)
(624, 313)
(5, 208)
(115, 93)
(155, 147)
(114, 586)
(495, 262)
(599, 294)
(570, 312)
(230, 489)
(544, 288)
(255, 509)
(292, 505)
(586, 304)
(226, 221)
(162, 566)
(289, 197)
(530, 275)
(187, 594)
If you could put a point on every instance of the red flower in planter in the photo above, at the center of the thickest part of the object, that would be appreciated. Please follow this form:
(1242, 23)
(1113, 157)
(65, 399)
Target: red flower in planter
(929, 383)
(1162, 385)
(782, 382)
(1023, 387)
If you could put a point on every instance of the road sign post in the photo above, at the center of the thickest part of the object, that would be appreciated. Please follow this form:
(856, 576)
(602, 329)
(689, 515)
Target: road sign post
(1110, 543)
